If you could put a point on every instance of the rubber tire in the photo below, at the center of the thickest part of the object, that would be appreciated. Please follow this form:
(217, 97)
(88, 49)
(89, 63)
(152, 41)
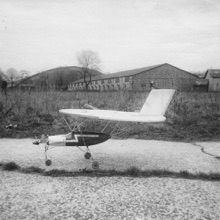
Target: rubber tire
(87, 155)
(95, 165)
(48, 162)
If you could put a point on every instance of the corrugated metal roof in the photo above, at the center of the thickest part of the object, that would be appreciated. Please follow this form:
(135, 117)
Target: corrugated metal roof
(122, 73)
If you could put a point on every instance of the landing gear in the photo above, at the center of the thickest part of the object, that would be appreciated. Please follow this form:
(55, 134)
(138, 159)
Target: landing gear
(48, 162)
(87, 155)
(95, 165)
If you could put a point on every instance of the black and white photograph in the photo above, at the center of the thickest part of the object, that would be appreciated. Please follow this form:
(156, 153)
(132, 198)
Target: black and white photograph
(110, 109)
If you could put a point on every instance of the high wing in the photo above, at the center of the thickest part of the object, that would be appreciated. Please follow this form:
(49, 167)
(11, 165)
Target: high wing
(153, 109)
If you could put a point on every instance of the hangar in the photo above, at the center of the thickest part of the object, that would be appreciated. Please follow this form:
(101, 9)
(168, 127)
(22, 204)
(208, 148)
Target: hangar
(164, 76)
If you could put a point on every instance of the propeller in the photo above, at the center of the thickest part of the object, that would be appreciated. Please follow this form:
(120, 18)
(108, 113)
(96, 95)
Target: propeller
(37, 141)
(43, 139)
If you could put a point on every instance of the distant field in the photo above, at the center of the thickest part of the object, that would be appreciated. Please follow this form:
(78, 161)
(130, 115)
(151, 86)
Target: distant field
(190, 116)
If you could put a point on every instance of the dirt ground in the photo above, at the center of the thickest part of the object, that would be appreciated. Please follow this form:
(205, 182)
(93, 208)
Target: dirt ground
(32, 196)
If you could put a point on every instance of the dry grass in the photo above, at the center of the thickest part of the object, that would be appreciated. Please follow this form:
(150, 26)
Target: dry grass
(132, 171)
(190, 116)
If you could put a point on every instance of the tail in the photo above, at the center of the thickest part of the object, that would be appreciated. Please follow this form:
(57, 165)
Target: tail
(157, 102)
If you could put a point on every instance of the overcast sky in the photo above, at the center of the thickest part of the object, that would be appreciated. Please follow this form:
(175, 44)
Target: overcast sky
(37, 35)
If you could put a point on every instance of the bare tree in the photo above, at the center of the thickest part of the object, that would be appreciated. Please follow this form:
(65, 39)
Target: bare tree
(89, 61)
(24, 74)
(12, 74)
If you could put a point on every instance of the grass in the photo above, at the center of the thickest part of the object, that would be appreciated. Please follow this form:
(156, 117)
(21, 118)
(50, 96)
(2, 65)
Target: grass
(129, 172)
(11, 166)
(190, 116)
(133, 171)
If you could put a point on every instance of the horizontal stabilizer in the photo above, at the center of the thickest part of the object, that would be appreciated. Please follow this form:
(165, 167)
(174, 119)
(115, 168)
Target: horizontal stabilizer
(87, 106)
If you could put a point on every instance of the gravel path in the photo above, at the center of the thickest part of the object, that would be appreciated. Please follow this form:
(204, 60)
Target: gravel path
(36, 197)
(32, 196)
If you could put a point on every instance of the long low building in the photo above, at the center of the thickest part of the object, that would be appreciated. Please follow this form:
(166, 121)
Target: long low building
(163, 76)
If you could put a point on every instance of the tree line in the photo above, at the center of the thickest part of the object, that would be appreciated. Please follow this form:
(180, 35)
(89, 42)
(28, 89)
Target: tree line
(88, 60)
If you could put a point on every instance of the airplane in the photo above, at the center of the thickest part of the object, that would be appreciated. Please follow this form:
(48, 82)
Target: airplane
(152, 111)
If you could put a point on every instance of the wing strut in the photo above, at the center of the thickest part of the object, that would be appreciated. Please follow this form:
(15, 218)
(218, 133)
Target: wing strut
(67, 124)
(78, 126)
(105, 126)
(114, 128)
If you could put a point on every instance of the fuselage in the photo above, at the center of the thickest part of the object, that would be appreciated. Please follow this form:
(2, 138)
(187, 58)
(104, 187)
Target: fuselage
(78, 139)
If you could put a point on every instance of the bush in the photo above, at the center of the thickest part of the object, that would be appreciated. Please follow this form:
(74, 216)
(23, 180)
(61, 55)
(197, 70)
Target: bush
(32, 169)
(133, 171)
(10, 166)
(1, 106)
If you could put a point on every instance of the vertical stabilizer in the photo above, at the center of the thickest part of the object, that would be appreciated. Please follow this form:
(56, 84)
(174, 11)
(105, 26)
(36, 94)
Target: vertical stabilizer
(157, 102)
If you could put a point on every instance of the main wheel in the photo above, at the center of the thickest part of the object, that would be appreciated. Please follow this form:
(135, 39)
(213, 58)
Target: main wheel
(95, 165)
(48, 162)
(87, 155)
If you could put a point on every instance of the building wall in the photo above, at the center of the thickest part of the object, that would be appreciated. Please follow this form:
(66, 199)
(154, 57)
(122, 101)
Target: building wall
(117, 83)
(214, 84)
(164, 77)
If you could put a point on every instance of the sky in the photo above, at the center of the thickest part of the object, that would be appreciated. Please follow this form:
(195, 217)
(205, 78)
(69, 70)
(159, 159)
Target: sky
(37, 35)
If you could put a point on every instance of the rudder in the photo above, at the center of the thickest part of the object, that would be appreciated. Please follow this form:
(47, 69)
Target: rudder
(157, 102)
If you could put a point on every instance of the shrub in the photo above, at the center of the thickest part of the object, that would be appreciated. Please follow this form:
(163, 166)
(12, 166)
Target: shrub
(32, 169)
(1, 106)
(56, 173)
(11, 166)
(184, 174)
(133, 171)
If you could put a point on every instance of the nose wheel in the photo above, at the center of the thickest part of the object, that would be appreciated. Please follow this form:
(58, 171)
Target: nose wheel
(87, 155)
(48, 162)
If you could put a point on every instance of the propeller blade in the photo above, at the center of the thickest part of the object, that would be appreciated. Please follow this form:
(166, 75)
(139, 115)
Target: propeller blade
(43, 139)
(36, 142)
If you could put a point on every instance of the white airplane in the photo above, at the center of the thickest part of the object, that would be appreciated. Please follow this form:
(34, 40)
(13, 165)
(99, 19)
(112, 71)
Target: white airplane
(153, 111)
